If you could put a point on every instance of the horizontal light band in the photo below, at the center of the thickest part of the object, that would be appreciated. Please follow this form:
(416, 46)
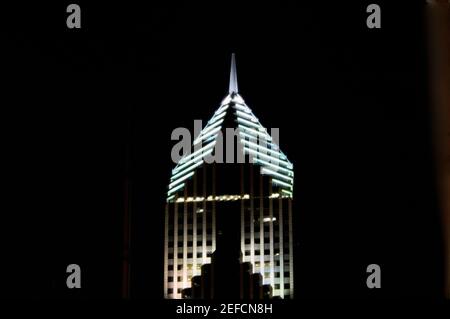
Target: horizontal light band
(244, 121)
(209, 128)
(173, 190)
(195, 159)
(277, 181)
(264, 148)
(170, 198)
(270, 158)
(217, 117)
(201, 137)
(184, 159)
(262, 162)
(242, 108)
(178, 181)
(247, 116)
(190, 168)
(270, 172)
(286, 192)
(260, 133)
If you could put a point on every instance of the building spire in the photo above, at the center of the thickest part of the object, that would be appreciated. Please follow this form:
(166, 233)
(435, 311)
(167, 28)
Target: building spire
(233, 76)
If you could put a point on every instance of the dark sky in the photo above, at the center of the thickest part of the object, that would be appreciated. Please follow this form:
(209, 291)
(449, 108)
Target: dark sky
(85, 108)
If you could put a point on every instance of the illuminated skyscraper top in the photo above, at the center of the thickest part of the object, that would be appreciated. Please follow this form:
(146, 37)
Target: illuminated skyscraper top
(228, 225)
(255, 142)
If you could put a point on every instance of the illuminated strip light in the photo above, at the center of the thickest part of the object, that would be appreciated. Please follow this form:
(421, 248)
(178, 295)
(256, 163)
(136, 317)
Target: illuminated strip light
(265, 148)
(211, 138)
(210, 127)
(278, 182)
(170, 198)
(246, 109)
(190, 168)
(288, 171)
(247, 116)
(185, 177)
(260, 133)
(173, 190)
(184, 159)
(226, 100)
(244, 121)
(248, 135)
(200, 156)
(216, 117)
(270, 158)
(222, 108)
(270, 172)
(286, 192)
(201, 137)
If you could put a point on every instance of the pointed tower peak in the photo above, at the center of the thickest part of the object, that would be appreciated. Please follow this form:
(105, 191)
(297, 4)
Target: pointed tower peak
(233, 88)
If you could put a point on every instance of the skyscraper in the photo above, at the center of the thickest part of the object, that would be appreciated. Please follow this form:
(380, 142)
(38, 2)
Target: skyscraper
(243, 205)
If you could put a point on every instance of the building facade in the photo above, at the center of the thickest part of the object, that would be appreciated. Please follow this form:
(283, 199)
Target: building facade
(247, 201)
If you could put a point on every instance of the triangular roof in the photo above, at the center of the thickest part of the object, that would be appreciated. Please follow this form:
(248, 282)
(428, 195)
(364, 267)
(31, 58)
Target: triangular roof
(267, 155)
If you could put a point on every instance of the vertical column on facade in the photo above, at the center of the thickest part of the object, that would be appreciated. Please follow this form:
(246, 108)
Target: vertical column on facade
(242, 230)
(291, 251)
(204, 218)
(261, 227)
(271, 242)
(194, 229)
(175, 250)
(242, 214)
(281, 245)
(252, 217)
(213, 236)
(185, 234)
(166, 250)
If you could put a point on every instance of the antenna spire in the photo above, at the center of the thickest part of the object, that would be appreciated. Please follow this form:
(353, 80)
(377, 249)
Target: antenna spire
(233, 76)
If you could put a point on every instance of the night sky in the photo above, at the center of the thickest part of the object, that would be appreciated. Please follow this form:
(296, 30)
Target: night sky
(83, 110)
